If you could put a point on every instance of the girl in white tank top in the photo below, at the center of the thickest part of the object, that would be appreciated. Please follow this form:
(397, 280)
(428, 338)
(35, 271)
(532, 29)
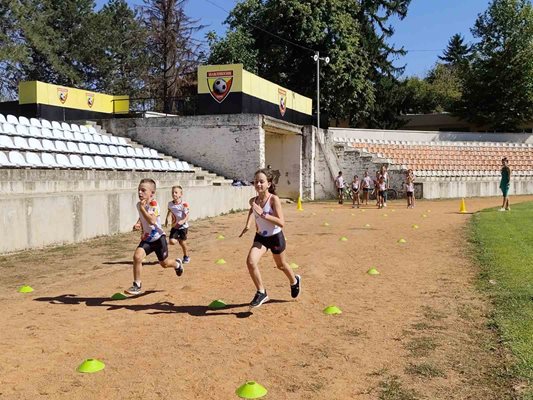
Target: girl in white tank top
(269, 221)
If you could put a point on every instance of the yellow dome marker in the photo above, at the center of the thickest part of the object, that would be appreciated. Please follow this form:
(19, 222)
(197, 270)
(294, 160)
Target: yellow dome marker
(251, 390)
(220, 261)
(332, 310)
(25, 289)
(372, 271)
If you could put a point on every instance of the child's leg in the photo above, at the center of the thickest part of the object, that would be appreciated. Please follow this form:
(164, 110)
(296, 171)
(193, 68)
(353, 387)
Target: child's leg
(183, 244)
(357, 197)
(168, 263)
(138, 257)
(283, 265)
(252, 262)
(172, 242)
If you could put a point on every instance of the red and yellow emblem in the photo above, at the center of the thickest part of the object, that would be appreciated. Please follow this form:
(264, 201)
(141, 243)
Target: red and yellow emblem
(62, 95)
(282, 101)
(219, 84)
(90, 99)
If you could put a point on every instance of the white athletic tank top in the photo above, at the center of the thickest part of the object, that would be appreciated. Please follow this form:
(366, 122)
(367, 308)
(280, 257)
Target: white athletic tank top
(264, 227)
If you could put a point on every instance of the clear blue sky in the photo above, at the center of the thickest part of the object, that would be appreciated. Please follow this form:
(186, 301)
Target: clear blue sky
(428, 26)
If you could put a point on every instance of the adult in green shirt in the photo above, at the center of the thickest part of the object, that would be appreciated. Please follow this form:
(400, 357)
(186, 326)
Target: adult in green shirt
(504, 184)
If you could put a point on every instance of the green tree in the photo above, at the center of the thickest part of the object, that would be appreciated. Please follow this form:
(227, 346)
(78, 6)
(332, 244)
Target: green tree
(237, 47)
(446, 86)
(498, 88)
(457, 52)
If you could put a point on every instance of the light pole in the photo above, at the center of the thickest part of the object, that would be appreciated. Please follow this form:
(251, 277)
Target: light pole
(317, 58)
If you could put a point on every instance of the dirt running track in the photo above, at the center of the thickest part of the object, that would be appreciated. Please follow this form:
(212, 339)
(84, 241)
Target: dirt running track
(418, 330)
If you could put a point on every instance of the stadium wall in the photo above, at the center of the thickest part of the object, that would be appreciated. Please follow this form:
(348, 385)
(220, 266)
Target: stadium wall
(57, 207)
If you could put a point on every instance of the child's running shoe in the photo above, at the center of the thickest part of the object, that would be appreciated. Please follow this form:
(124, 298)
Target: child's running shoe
(179, 267)
(259, 299)
(134, 290)
(295, 289)
(186, 259)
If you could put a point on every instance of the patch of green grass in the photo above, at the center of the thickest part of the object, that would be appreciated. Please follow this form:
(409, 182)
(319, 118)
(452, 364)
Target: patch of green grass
(503, 246)
(432, 314)
(425, 369)
(421, 346)
(392, 389)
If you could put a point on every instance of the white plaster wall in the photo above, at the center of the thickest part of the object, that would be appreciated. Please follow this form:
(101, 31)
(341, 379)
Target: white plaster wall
(444, 188)
(283, 153)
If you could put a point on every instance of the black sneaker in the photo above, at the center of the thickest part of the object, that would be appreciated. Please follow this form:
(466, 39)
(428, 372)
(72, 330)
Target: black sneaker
(134, 290)
(179, 267)
(259, 299)
(295, 289)
(186, 259)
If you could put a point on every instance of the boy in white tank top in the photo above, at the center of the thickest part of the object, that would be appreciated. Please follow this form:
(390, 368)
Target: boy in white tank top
(269, 221)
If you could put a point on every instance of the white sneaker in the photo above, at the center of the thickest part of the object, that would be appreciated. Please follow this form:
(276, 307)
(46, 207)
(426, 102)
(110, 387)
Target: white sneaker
(501, 209)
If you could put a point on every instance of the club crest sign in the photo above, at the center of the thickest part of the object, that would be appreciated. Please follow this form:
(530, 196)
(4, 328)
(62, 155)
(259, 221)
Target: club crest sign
(90, 99)
(62, 95)
(219, 84)
(282, 101)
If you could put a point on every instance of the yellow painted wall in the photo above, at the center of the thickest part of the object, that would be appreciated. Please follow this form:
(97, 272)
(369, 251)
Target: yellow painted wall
(253, 85)
(35, 92)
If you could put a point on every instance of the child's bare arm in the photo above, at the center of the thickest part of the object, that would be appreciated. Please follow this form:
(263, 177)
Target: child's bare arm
(277, 217)
(247, 226)
(166, 218)
(151, 218)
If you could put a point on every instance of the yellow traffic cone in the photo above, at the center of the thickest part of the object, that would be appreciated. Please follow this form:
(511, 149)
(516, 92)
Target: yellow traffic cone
(462, 209)
(299, 206)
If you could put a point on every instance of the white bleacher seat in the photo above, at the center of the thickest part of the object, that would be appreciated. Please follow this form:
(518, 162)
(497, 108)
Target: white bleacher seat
(121, 163)
(139, 164)
(48, 145)
(34, 131)
(2, 119)
(60, 147)
(130, 162)
(157, 165)
(65, 126)
(58, 134)
(154, 154)
(97, 138)
(113, 150)
(83, 129)
(17, 159)
(104, 149)
(35, 144)
(20, 143)
(22, 130)
(76, 161)
(9, 129)
(4, 161)
(78, 136)
(139, 152)
(100, 162)
(34, 159)
(73, 147)
(179, 165)
(88, 162)
(63, 161)
(35, 122)
(122, 151)
(49, 160)
(75, 128)
(130, 151)
(146, 152)
(186, 166)
(94, 149)
(110, 162)
(106, 139)
(164, 165)
(24, 121)
(114, 140)
(91, 129)
(11, 119)
(6, 142)
(83, 148)
(149, 165)
(122, 141)
(46, 124)
(68, 135)
(87, 137)
(56, 125)
(47, 133)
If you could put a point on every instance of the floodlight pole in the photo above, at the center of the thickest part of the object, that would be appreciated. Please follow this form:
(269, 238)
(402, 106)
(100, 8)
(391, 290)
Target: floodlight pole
(317, 58)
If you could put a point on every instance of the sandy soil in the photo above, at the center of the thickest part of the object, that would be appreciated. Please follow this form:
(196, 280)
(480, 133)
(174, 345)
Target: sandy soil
(418, 330)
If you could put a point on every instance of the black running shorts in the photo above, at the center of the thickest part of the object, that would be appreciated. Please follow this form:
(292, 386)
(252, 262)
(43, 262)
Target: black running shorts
(275, 243)
(179, 234)
(159, 247)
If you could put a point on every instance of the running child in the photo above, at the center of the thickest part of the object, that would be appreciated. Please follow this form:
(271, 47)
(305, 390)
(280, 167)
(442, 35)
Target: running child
(367, 181)
(410, 190)
(339, 184)
(381, 188)
(152, 238)
(269, 221)
(355, 191)
(180, 217)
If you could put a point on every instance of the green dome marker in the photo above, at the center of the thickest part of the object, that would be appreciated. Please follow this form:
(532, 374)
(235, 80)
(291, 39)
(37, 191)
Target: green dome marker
(294, 265)
(402, 240)
(326, 224)
(217, 304)
(343, 239)
(220, 237)
(220, 261)
(331, 310)
(251, 390)
(25, 289)
(91, 365)
(119, 296)
(372, 271)
(415, 226)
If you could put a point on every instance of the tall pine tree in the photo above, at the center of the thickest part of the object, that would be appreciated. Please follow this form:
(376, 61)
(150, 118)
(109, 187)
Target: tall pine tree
(457, 52)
